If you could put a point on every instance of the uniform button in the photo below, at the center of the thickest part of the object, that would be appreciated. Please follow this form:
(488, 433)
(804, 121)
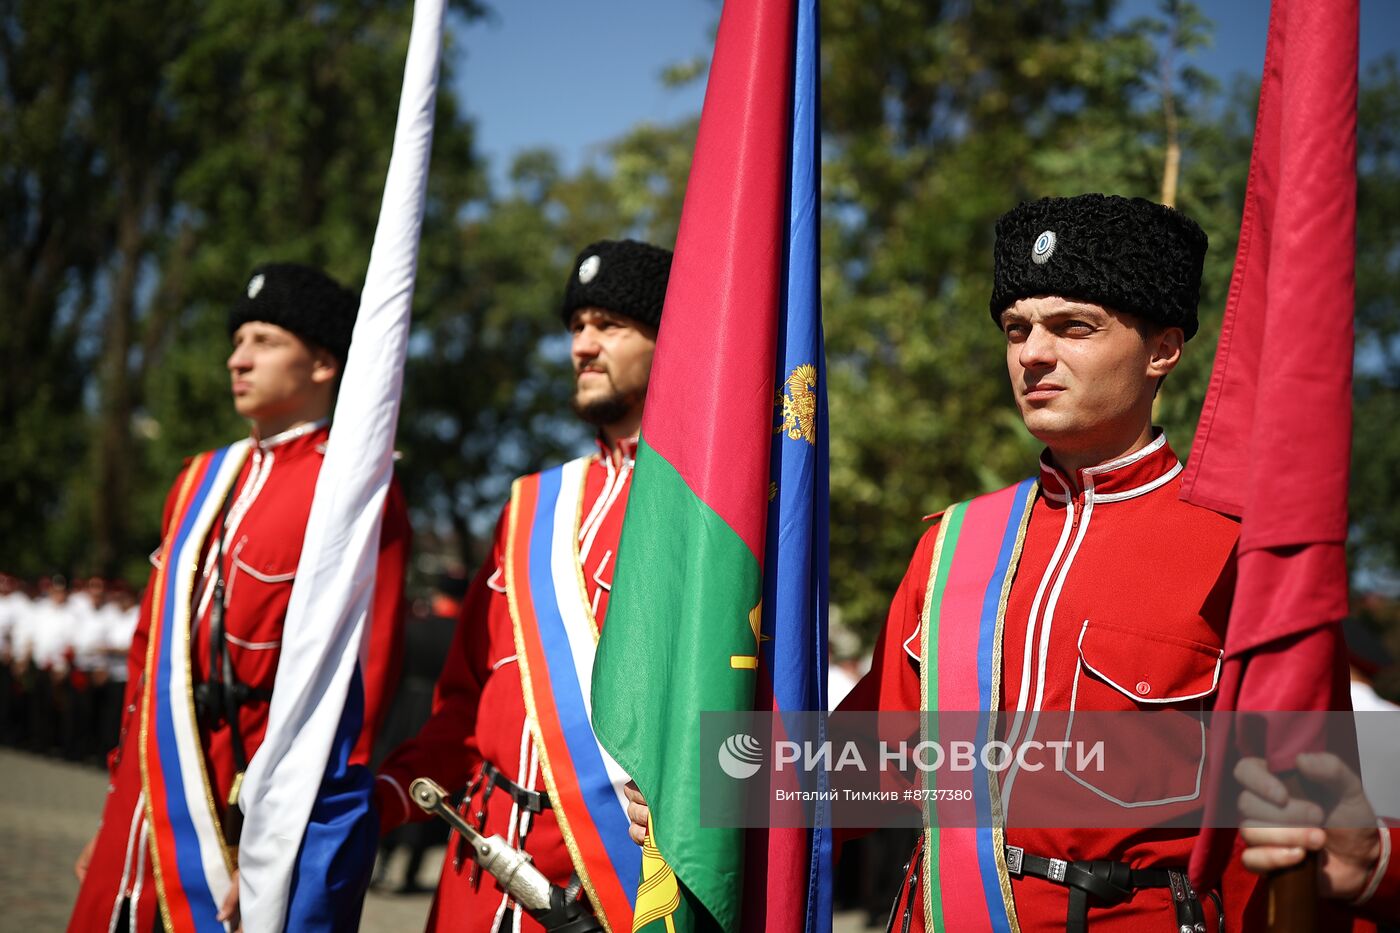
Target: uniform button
(1143, 688)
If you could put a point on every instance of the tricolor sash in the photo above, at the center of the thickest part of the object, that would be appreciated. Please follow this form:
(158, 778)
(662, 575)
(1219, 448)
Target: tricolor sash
(965, 882)
(193, 866)
(556, 637)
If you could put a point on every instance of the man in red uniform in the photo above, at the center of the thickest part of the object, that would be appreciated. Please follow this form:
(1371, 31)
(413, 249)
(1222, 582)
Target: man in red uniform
(1117, 599)
(521, 658)
(196, 704)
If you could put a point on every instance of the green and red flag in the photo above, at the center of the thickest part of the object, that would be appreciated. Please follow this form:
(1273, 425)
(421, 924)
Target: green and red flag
(719, 598)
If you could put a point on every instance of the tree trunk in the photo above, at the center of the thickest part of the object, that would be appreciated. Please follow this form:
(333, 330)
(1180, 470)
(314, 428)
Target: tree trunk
(1171, 164)
(113, 451)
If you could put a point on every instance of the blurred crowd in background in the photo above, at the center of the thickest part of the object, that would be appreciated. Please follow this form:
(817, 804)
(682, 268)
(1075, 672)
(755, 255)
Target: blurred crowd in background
(63, 663)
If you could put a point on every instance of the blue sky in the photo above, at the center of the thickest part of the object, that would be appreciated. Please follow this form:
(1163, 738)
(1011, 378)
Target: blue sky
(570, 75)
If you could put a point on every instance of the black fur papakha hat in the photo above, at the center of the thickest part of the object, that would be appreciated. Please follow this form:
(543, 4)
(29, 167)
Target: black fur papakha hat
(303, 300)
(1127, 254)
(622, 276)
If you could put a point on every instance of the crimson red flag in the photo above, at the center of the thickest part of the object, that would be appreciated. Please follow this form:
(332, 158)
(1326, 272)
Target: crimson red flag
(1274, 442)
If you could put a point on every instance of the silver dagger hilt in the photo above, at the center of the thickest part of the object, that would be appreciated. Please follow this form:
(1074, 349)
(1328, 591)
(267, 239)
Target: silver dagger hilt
(513, 869)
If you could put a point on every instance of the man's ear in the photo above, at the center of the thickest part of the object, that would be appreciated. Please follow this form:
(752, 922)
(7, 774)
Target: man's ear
(325, 368)
(1166, 345)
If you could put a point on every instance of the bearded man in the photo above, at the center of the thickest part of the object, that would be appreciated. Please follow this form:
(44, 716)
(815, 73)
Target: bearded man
(510, 720)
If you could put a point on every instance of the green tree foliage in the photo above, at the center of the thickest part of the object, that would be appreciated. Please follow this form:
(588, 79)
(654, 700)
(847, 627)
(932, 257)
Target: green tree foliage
(1376, 449)
(150, 155)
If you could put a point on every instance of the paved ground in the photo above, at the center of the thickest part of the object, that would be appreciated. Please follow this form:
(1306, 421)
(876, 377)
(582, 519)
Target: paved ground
(47, 814)
(48, 810)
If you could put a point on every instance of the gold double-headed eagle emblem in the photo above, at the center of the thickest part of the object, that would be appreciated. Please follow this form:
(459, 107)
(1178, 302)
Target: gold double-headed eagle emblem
(799, 404)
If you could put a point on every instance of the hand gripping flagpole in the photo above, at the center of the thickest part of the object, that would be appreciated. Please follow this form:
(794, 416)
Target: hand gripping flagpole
(330, 600)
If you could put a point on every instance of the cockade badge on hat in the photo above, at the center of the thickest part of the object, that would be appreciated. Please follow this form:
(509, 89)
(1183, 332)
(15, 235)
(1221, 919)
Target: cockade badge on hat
(588, 269)
(1044, 247)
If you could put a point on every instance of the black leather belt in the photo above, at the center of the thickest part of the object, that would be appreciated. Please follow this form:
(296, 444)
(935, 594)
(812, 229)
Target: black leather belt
(212, 700)
(1109, 883)
(534, 801)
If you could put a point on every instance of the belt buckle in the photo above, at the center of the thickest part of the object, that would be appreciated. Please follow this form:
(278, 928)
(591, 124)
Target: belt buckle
(1014, 856)
(1178, 885)
(1056, 871)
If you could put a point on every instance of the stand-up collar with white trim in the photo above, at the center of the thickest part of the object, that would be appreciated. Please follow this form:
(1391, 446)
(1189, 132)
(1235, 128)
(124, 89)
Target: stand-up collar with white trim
(286, 437)
(1127, 477)
(621, 453)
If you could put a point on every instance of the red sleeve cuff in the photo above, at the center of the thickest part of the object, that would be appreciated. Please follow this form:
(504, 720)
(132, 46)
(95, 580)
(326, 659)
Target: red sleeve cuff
(391, 800)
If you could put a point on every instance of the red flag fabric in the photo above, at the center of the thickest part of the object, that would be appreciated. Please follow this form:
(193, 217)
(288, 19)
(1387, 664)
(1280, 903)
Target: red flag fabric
(1274, 442)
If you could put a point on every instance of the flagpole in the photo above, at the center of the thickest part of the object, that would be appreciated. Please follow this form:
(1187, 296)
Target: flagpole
(322, 637)
(1292, 892)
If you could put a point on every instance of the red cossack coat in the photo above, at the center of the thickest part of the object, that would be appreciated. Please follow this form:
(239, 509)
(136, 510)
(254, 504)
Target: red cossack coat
(1119, 603)
(273, 493)
(479, 715)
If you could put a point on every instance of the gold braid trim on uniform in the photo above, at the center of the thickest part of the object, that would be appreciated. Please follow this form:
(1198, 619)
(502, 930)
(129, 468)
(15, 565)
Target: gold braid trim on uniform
(532, 716)
(993, 785)
(229, 470)
(148, 688)
(183, 617)
(924, 711)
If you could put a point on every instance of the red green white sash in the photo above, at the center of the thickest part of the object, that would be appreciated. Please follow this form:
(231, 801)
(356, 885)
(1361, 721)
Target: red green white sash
(965, 882)
(192, 864)
(556, 638)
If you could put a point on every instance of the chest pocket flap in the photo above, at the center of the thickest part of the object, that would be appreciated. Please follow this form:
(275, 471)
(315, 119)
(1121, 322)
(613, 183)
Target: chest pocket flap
(1149, 667)
(273, 567)
(259, 588)
(1147, 762)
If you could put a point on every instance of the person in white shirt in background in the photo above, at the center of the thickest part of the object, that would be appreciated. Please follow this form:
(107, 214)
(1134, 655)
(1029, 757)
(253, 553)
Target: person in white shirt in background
(13, 602)
(1377, 734)
(50, 628)
(118, 616)
(84, 687)
(41, 647)
(15, 606)
(85, 624)
(22, 629)
(847, 664)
